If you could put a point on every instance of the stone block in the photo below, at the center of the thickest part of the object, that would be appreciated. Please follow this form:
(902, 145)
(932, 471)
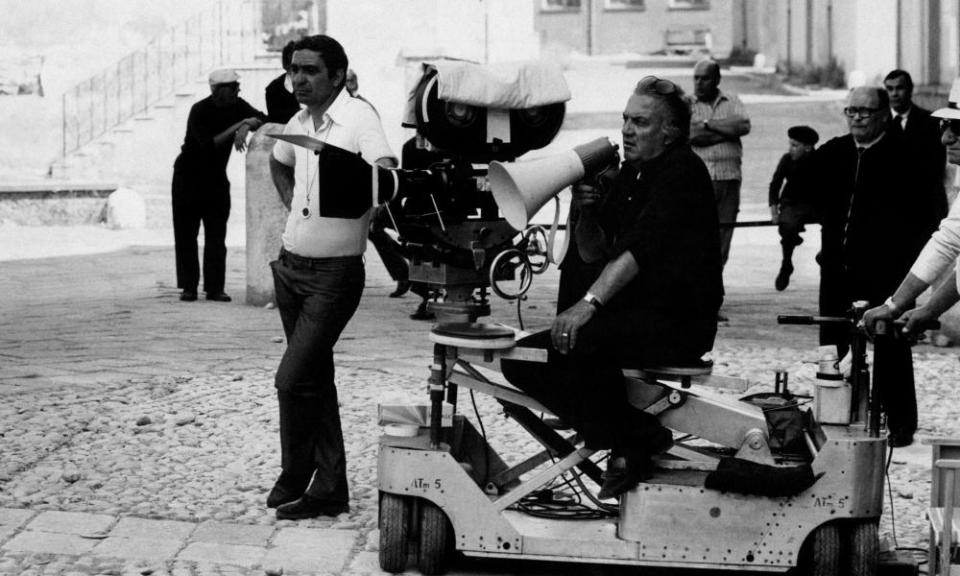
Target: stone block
(79, 523)
(266, 216)
(14, 517)
(49, 543)
(223, 533)
(155, 529)
(209, 552)
(307, 549)
(125, 208)
(138, 548)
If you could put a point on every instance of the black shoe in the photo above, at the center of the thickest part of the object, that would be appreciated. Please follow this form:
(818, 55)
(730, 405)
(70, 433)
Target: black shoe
(188, 295)
(402, 287)
(783, 277)
(422, 313)
(218, 297)
(621, 476)
(309, 507)
(901, 440)
(280, 495)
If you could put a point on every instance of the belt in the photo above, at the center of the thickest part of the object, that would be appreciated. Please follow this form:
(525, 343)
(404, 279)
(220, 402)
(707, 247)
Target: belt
(298, 261)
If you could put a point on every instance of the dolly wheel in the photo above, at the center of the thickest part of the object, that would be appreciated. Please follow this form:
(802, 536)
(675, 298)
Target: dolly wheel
(864, 549)
(820, 554)
(394, 520)
(436, 539)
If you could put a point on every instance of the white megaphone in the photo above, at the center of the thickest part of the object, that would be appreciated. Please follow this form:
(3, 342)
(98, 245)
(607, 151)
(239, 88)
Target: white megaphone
(522, 188)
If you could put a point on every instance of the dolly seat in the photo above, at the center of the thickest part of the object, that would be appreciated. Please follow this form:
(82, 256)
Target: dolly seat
(474, 335)
(683, 373)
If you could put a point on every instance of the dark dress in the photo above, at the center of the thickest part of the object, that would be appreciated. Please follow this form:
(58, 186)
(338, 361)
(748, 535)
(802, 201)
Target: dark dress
(201, 193)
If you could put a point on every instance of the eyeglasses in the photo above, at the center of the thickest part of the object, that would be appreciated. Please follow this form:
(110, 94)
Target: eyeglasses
(951, 125)
(859, 112)
(652, 84)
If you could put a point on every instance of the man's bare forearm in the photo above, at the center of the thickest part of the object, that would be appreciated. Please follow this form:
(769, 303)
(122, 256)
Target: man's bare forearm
(282, 176)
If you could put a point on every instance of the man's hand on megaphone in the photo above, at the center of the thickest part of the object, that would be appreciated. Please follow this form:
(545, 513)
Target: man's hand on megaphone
(587, 196)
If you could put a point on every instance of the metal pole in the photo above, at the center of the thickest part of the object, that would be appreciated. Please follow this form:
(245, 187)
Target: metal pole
(63, 126)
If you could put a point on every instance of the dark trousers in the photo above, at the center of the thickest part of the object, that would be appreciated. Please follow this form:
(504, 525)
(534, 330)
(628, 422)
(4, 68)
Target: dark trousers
(316, 298)
(194, 204)
(791, 222)
(727, 195)
(894, 383)
(893, 378)
(586, 389)
(387, 248)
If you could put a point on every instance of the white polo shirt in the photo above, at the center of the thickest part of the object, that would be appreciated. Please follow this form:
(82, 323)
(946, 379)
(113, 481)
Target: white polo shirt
(350, 124)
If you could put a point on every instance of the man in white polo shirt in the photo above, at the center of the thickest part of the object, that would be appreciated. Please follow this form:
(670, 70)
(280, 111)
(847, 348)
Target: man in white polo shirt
(318, 277)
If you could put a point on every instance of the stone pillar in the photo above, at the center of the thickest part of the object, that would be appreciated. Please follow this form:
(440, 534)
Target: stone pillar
(266, 217)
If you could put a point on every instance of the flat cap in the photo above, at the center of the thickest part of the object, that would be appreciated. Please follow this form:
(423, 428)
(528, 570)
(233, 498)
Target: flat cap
(803, 134)
(224, 76)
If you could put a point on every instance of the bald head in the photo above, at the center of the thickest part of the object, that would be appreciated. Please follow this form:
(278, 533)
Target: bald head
(706, 80)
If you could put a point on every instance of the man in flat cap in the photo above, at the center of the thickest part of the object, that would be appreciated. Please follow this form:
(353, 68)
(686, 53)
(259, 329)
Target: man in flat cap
(201, 191)
(792, 196)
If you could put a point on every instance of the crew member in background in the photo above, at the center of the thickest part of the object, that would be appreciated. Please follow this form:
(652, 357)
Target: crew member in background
(875, 219)
(794, 204)
(717, 123)
(281, 103)
(318, 277)
(201, 190)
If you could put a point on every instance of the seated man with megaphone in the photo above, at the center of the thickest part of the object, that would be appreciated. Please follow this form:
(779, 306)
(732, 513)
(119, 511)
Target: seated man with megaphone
(640, 286)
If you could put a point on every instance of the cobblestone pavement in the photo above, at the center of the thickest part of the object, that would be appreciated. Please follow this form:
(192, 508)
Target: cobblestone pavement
(139, 433)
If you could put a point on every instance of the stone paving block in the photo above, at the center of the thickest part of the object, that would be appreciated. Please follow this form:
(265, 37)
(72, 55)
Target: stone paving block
(14, 517)
(369, 563)
(156, 529)
(309, 549)
(224, 533)
(238, 555)
(79, 523)
(49, 543)
(138, 548)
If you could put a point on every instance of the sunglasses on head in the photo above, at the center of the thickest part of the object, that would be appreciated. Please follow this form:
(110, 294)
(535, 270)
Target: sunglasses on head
(952, 125)
(652, 84)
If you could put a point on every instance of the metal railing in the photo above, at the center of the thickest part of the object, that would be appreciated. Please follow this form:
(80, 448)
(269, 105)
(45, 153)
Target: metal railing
(223, 31)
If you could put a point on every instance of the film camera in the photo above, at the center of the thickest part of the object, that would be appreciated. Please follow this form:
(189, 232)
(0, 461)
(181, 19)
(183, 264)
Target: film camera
(475, 122)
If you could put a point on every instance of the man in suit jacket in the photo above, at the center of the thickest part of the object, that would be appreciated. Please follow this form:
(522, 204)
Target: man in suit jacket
(921, 133)
(875, 221)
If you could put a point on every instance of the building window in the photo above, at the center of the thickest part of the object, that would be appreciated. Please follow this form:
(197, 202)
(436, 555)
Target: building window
(624, 4)
(560, 5)
(688, 4)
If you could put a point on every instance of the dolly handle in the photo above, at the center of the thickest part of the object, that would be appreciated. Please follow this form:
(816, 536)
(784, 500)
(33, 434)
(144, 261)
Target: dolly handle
(806, 320)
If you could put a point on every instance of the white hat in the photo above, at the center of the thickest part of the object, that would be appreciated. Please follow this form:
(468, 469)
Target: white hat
(224, 76)
(952, 111)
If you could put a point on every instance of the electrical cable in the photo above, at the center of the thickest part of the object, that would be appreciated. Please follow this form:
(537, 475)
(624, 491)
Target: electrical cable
(486, 445)
(893, 515)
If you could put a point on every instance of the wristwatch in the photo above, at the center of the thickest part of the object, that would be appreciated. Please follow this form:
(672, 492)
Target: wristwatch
(891, 305)
(593, 300)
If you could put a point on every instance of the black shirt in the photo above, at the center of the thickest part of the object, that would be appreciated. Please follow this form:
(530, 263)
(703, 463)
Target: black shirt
(198, 154)
(281, 104)
(666, 217)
